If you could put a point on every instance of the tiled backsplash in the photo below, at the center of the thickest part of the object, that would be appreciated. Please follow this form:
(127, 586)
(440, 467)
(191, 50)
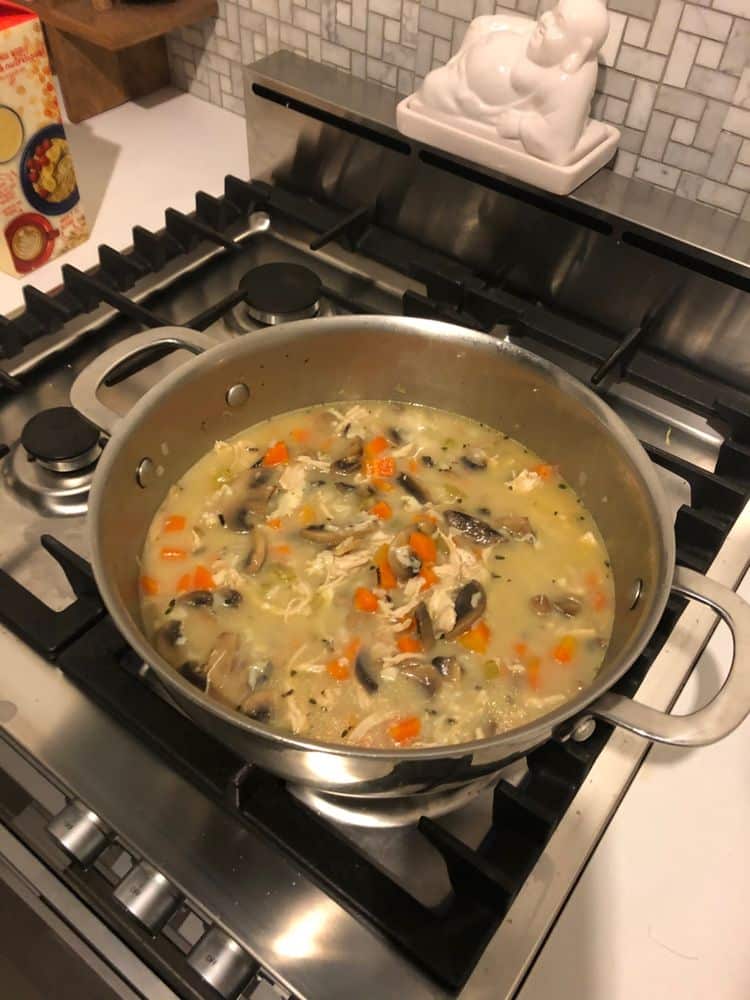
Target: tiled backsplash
(675, 76)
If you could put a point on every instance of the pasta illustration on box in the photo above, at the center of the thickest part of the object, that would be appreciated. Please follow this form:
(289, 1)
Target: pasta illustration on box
(516, 97)
(40, 213)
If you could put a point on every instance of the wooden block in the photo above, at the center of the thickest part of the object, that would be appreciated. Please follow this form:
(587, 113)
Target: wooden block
(94, 79)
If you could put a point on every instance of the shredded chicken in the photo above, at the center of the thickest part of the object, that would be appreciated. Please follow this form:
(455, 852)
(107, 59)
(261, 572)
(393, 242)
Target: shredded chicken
(525, 481)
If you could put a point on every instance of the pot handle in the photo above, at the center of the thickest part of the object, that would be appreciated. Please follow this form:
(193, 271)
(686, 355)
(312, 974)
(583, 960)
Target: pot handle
(83, 392)
(729, 706)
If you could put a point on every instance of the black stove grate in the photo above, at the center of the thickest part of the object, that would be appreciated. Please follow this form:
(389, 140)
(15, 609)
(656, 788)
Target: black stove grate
(446, 940)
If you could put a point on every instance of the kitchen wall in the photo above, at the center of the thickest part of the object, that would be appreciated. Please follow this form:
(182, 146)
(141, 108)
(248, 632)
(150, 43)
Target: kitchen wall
(675, 76)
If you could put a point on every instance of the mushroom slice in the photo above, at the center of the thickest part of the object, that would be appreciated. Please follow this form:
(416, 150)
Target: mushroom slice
(410, 484)
(229, 598)
(197, 599)
(238, 517)
(425, 630)
(515, 526)
(448, 667)
(540, 604)
(167, 639)
(567, 605)
(329, 535)
(475, 529)
(258, 706)
(395, 436)
(194, 673)
(470, 605)
(258, 551)
(364, 671)
(351, 461)
(423, 673)
(474, 459)
(250, 500)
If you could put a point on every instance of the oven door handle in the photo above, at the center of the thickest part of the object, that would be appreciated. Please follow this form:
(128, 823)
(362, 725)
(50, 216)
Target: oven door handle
(84, 393)
(729, 706)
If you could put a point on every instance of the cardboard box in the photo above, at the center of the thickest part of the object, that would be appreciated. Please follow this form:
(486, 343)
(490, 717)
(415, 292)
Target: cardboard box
(40, 211)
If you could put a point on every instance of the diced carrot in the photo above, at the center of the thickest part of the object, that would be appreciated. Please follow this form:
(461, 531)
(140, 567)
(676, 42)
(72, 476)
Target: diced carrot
(173, 555)
(423, 546)
(405, 730)
(274, 522)
(184, 583)
(533, 672)
(429, 576)
(380, 468)
(477, 638)
(307, 514)
(424, 516)
(599, 600)
(375, 446)
(202, 578)
(382, 485)
(565, 650)
(382, 510)
(277, 454)
(544, 471)
(386, 576)
(174, 523)
(520, 649)
(149, 586)
(339, 670)
(413, 467)
(365, 600)
(409, 644)
(281, 550)
(301, 434)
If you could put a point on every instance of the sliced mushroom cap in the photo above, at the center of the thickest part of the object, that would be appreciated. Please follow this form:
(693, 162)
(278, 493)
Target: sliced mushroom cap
(350, 462)
(567, 605)
(410, 484)
(395, 436)
(475, 529)
(330, 534)
(194, 673)
(197, 599)
(474, 459)
(423, 673)
(237, 516)
(258, 706)
(540, 604)
(448, 667)
(365, 671)
(250, 499)
(258, 551)
(167, 640)
(470, 605)
(425, 630)
(229, 598)
(515, 526)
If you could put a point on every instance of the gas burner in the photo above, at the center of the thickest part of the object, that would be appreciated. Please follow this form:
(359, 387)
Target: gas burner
(61, 440)
(280, 292)
(52, 465)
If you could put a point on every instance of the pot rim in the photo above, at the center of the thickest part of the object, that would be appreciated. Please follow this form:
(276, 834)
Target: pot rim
(531, 733)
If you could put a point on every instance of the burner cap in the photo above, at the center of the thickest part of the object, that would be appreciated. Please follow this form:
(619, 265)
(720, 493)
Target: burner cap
(61, 440)
(278, 292)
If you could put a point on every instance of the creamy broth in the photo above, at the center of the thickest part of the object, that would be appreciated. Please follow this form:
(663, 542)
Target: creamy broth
(380, 575)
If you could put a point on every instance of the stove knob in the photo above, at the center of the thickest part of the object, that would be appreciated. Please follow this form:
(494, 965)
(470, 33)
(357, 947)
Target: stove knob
(221, 962)
(79, 832)
(148, 896)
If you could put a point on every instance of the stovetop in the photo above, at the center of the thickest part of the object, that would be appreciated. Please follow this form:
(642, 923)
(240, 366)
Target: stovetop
(452, 906)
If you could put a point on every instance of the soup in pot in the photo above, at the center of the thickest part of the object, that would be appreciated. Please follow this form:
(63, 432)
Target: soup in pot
(378, 575)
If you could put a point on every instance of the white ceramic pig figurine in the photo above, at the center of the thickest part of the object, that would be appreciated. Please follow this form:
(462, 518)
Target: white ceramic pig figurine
(516, 96)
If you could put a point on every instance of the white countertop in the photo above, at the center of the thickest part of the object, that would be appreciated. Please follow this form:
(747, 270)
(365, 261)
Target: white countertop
(660, 909)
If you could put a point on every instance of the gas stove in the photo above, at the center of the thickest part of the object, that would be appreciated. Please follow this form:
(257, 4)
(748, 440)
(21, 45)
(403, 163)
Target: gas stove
(183, 870)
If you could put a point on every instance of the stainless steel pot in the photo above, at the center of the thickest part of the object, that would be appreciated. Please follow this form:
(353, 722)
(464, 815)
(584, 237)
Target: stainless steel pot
(232, 385)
